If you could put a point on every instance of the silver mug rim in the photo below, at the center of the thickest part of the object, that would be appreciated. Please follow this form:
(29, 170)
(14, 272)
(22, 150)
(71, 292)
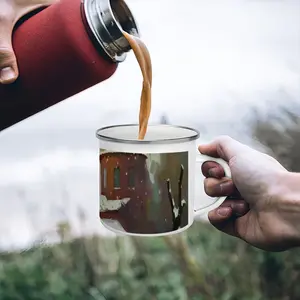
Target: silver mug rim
(193, 137)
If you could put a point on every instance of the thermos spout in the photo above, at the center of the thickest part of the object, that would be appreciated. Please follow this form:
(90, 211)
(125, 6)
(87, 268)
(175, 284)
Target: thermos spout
(106, 20)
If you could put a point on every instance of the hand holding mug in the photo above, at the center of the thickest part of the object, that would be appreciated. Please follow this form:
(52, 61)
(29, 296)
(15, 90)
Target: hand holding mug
(10, 12)
(268, 196)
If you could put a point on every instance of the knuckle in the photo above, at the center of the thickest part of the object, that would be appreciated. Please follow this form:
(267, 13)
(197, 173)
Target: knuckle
(6, 14)
(3, 18)
(7, 57)
(223, 144)
(233, 162)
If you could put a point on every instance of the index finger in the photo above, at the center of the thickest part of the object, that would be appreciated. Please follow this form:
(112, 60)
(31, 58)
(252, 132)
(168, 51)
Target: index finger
(222, 147)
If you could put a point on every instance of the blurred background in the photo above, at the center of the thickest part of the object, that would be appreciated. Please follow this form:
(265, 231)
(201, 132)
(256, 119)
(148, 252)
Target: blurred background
(221, 66)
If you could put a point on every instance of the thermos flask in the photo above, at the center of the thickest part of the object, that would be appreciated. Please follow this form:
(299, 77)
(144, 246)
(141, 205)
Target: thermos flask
(62, 50)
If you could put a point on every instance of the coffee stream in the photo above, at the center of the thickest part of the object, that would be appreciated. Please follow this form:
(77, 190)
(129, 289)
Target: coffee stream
(143, 57)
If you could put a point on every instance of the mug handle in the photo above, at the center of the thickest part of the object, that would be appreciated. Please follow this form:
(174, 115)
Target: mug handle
(201, 158)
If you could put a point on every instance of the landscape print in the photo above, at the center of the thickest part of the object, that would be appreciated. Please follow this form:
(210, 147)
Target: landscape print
(144, 193)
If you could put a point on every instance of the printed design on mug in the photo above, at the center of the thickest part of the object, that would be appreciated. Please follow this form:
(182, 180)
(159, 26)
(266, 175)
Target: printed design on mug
(144, 193)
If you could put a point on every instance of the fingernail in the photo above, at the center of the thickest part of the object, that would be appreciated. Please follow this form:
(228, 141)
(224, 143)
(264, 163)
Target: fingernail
(239, 209)
(224, 211)
(225, 186)
(212, 172)
(7, 74)
(238, 206)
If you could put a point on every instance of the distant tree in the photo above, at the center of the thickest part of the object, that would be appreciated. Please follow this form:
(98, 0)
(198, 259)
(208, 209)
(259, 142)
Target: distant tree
(164, 119)
(281, 135)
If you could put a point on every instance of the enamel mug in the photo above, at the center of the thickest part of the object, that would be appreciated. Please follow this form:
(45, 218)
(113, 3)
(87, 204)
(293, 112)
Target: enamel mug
(150, 187)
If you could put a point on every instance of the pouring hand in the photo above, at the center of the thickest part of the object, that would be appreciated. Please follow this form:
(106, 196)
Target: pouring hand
(10, 12)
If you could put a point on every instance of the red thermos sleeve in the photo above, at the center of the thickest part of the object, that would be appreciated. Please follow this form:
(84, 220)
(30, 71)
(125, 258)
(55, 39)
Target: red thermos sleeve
(56, 60)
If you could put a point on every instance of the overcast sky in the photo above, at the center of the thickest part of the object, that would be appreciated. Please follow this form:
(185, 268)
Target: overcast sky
(212, 61)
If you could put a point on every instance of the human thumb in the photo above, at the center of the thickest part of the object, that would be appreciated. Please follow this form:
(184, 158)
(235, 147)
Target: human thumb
(8, 62)
(224, 147)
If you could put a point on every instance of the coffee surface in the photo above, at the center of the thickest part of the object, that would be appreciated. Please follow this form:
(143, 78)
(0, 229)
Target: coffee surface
(143, 57)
